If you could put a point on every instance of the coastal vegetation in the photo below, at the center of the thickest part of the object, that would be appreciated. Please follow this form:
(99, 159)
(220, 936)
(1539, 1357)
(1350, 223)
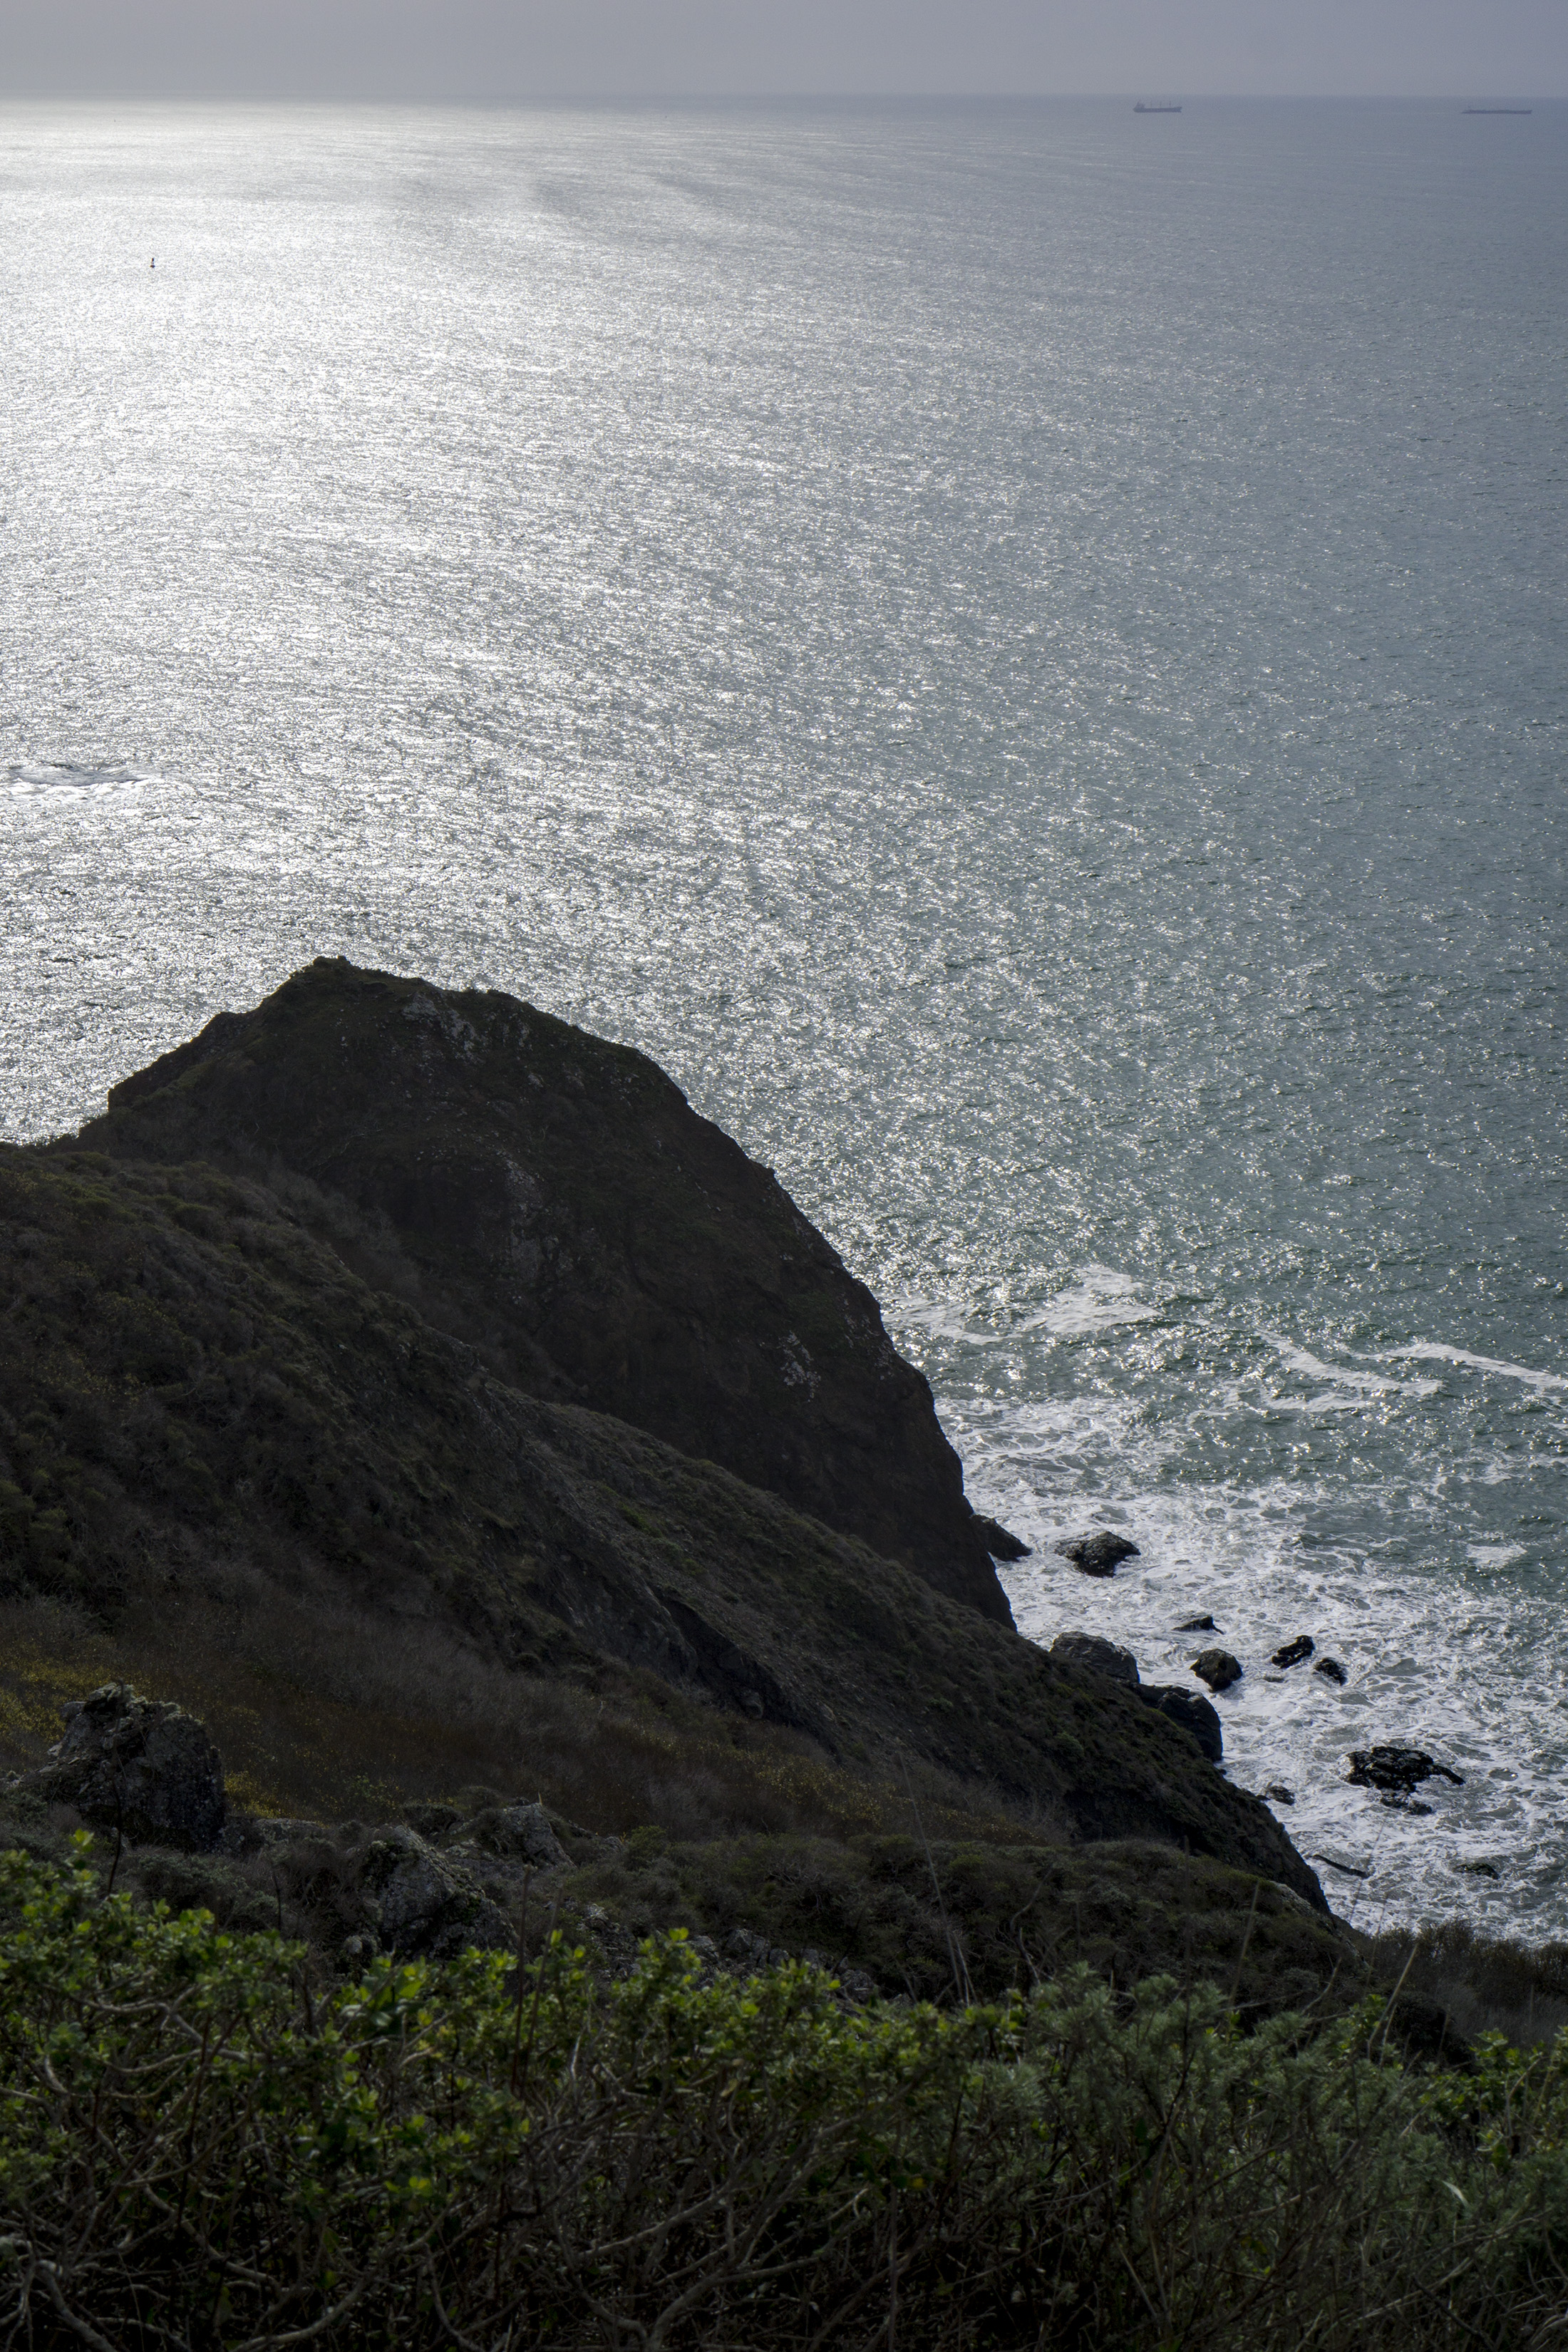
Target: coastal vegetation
(201, 2147)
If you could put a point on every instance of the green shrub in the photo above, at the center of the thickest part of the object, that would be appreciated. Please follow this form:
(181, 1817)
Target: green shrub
(200, 2149)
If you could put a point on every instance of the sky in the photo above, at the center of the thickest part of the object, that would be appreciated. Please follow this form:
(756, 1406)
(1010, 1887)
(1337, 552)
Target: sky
(500, 49)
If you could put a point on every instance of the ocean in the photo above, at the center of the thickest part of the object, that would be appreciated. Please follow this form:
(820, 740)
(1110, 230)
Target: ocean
(1019, 651)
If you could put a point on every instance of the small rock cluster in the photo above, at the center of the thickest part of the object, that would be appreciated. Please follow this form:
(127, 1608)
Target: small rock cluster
(146, 1769)
(1397, 1771)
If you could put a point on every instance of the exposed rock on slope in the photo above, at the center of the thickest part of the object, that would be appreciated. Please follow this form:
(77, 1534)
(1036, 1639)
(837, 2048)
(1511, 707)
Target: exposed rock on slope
(138, 1766)
(567, 1211)
(188, 1375)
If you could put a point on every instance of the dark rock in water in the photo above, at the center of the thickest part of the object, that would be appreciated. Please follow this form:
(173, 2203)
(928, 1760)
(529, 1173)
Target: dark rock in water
(1097, 1554)
(1405, 1805)
(554, 1200)
(1279, 1794)
(1197, 1625)
(1330, 1669)
(1217, 1668)
(1293, 1653)
(1396, 1768)
(1198, 1715)
(1000, 1541)
(137, 1766)
(1098, 1656)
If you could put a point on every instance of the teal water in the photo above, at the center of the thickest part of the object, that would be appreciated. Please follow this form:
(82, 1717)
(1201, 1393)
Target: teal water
(1020, 652)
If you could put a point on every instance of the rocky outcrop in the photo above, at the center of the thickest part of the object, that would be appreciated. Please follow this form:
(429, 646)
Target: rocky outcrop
(142, 1768)
(1098, 1554)
(520, 1833)
(999, 1541)
(1096, 1656)
(1294, 1653)
(1199, 1716)
(422, 1903)
(1217, 1668)
(196, 1381)
(555, 1199)
(1397, 1769)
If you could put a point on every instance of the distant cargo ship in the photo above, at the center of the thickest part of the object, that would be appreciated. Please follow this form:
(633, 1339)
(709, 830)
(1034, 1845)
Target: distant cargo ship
(1141, 109)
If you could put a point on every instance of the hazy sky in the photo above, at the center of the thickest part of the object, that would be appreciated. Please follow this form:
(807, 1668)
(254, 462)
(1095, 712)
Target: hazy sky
(500, 48)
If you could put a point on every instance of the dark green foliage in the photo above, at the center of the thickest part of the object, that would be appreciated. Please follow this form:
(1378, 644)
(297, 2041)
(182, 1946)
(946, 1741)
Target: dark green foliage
(197, 2149)
(905, 1911)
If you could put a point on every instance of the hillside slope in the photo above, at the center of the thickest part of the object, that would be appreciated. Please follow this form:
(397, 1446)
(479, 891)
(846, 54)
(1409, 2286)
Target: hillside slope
(200, 1397)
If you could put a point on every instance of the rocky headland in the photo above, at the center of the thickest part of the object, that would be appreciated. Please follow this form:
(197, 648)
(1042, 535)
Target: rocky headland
(419, 1392)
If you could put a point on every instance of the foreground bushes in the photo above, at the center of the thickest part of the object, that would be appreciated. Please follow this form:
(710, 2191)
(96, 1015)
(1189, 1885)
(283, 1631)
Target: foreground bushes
(198, 2148)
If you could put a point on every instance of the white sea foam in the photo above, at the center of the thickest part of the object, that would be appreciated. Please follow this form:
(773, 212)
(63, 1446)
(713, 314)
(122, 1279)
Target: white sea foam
(1461, 1663)
(1427, 1352)
(71, 779)
(1097, 1300)
(1346, 1389)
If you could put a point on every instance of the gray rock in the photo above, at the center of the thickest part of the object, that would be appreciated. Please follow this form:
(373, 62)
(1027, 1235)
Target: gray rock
(139, 1765)
(1097, 1553)
(1293, 1653)
(1205, 1624)
(520, 1833)
(424, 1905)
(1100, 1657)
(741, 1944)
(1199, 1716)
(1278, 1794)
(1217, 1668)
(279, 1829)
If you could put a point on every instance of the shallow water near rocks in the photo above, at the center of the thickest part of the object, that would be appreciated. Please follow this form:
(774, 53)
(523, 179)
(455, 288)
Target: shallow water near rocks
(1017, 650)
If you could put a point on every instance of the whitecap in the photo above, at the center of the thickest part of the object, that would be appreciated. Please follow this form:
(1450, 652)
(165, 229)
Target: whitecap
(74, 780)
(1362, 1387)
(1428, 1351)
(1097, 1300)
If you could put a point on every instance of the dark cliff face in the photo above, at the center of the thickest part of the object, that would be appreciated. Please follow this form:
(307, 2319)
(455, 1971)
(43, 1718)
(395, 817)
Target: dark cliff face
(571, 1214)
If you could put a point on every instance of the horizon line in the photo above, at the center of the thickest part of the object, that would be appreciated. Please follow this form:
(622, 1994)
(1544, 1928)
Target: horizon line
(1131, 95)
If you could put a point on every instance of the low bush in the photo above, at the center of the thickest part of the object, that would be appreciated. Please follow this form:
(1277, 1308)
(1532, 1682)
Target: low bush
(199, 2148)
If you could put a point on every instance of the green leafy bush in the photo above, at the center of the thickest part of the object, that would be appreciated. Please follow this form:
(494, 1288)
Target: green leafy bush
(200, 2148)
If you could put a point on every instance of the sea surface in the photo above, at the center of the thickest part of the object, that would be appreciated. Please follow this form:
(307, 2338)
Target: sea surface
(1020, 651)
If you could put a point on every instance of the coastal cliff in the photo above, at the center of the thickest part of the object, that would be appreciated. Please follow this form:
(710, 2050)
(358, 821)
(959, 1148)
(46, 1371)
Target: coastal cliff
(235, 1398)
(554, 1200)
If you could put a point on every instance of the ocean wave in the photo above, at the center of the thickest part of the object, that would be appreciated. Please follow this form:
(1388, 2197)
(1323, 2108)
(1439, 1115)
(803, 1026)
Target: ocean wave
(72, 779)
(1440, 1648)
(1428, 1351)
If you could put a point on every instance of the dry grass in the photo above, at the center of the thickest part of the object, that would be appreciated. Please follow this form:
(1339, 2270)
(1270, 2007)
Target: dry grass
(1484, 1982)
(323, 1709)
